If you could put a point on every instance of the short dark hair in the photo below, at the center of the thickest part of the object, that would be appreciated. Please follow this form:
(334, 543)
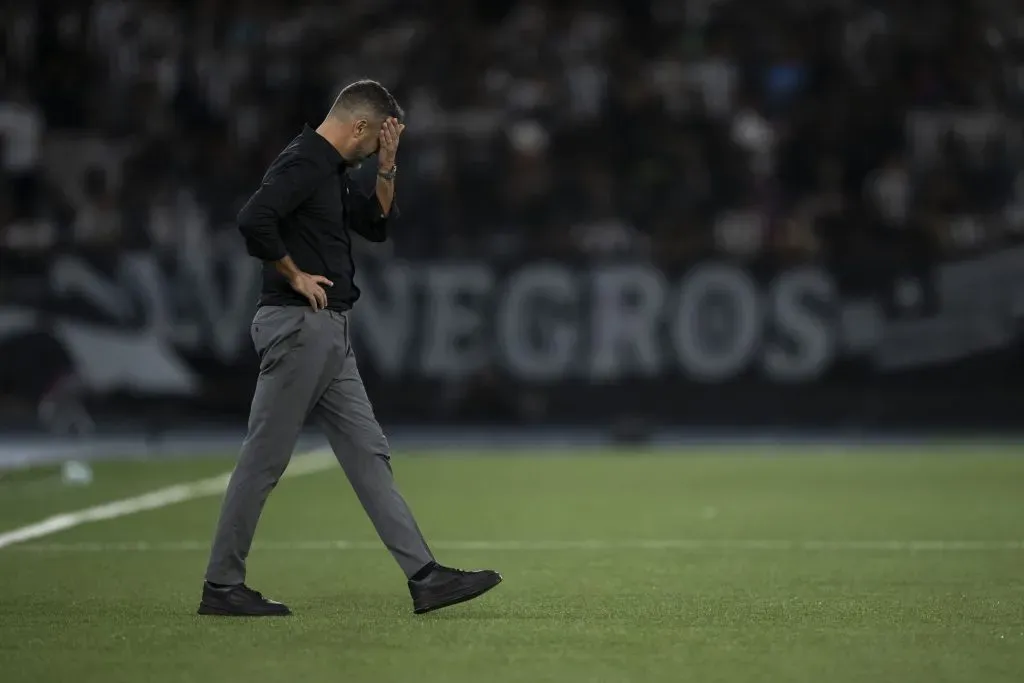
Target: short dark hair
(366, 96)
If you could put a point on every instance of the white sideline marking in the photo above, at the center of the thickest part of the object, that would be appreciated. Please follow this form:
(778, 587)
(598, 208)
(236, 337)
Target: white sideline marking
(650, 544)
(306, 463)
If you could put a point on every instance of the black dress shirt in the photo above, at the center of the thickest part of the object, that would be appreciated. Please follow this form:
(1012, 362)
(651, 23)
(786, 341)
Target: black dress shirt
(305, 208)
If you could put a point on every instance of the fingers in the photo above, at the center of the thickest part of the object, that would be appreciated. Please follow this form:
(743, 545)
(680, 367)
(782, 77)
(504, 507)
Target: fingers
(389, 132)
(317, 297)
(321, 297)
(309, 286)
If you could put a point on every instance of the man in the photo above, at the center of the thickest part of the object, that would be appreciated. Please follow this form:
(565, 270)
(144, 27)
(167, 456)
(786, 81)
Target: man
(299, 224)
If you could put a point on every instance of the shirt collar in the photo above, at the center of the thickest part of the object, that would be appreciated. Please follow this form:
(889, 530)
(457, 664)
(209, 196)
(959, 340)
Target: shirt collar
(323, 149)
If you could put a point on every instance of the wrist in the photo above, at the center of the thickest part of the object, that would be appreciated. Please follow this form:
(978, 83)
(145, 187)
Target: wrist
(287, 268)
(387, 171)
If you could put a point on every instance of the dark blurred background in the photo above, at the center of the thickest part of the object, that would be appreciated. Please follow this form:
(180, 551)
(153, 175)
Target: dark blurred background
(732, 214)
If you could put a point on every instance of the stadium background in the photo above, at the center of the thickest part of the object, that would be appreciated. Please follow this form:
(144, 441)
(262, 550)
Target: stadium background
(700, 214)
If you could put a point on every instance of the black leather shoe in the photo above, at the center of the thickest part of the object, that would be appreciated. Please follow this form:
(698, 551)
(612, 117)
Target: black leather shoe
(445, 586)
(238, 601)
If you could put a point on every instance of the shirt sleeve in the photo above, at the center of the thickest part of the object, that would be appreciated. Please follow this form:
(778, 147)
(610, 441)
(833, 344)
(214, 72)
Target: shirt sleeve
(284, 187)
(365, 216)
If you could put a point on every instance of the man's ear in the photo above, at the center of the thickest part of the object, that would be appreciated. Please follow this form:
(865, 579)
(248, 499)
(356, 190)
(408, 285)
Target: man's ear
(359, 128)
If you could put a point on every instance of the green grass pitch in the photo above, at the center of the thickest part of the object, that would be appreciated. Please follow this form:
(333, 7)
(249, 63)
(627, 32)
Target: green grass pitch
(792, 565)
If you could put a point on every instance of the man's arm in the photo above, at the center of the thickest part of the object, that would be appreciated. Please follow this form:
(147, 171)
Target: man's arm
(282, 190)
(369, 216)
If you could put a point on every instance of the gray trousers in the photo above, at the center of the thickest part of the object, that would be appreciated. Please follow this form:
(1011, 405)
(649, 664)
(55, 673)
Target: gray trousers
(307, 369)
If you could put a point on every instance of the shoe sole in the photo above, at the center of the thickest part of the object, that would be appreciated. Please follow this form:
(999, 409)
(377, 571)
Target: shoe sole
(457, 599)
(208, 611)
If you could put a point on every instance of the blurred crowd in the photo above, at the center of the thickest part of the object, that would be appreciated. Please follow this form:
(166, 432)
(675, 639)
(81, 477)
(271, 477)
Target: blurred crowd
(670, 129)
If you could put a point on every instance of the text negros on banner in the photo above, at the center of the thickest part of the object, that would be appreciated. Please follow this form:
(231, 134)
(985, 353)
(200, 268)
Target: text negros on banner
(545, 322)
